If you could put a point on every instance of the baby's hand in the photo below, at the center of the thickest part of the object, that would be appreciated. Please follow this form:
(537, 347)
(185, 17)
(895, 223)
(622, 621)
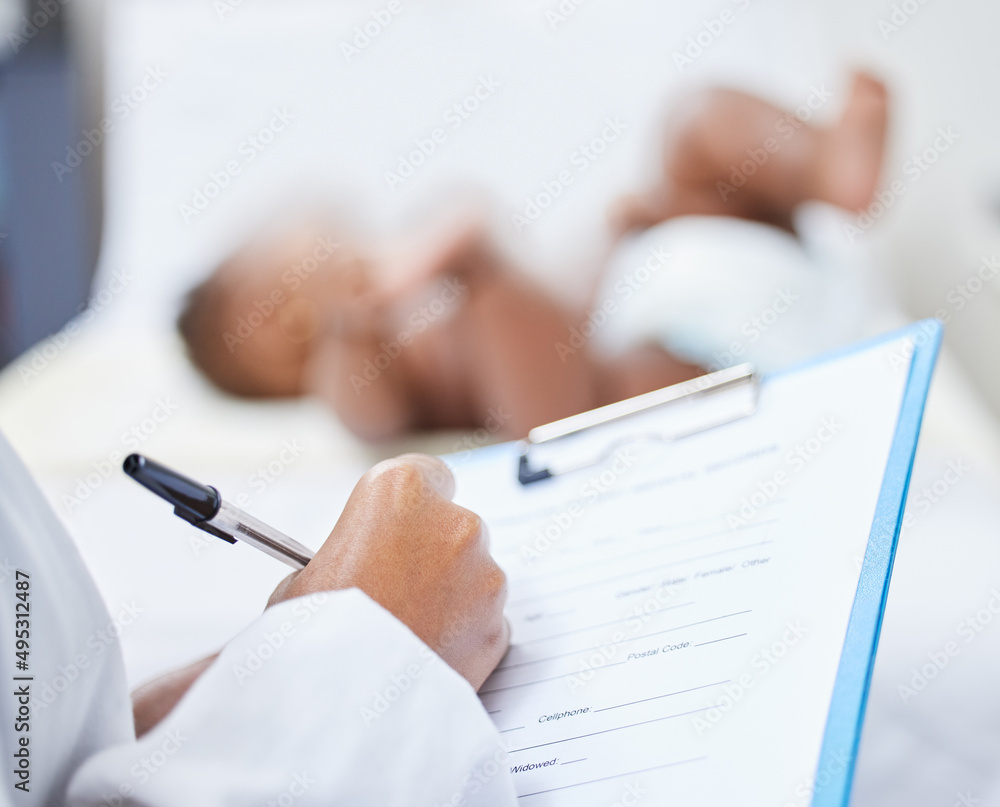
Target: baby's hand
(350, 299)
(460, 248)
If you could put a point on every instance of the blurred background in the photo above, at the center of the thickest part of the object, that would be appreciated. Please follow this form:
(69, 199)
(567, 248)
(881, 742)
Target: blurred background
(119, 120)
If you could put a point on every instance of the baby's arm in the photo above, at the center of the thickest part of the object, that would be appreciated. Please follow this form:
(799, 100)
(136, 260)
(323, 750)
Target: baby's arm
(520, 364)
(494, 360)
(643, 369)
(374, 402)
(524, 366)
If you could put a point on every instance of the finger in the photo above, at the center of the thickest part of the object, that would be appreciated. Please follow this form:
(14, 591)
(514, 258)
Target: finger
(474, 524)
(364, 514)
(505, 641)
(280, 593)
(499, 650)
(435, 472)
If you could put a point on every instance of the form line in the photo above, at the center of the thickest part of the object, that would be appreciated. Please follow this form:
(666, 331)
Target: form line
(600, 625)
(658, 548)
(608, 731)
(623, 641)
(635, 573)
(668, 695)
(724, 639)
(543, 680)
(615, 776)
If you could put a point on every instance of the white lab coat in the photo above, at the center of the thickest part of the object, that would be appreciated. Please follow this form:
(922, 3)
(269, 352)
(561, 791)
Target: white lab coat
(324, 700)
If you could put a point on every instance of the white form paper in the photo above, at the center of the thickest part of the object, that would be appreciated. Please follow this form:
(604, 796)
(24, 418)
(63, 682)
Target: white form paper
(678, 612)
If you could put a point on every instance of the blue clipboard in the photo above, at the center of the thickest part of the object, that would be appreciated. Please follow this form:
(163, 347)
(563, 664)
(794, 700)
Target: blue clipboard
(832, 782)
(838, 754)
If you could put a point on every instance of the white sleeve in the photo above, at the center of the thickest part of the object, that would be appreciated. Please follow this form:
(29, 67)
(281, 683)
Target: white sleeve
(66, 695)
(324, 700)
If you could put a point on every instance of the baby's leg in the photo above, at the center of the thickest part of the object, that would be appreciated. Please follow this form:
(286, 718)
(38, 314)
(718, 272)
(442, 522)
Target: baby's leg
(789, 162)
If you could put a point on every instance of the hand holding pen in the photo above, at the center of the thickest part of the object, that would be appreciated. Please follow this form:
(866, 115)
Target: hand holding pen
(400, 539)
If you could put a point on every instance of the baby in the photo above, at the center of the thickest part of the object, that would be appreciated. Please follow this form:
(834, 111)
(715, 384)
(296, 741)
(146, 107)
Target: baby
(442, 335)
(447, 334)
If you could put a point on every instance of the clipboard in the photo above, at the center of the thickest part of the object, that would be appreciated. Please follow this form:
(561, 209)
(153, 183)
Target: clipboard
(587, 440)
(711, 400)
(857, 661)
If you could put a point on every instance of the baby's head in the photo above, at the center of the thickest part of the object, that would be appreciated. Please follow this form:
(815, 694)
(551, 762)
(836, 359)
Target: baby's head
(255, 324)
(252, 325)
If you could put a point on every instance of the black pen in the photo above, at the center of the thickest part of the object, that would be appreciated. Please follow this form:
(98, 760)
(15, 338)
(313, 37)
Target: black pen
(202, 506)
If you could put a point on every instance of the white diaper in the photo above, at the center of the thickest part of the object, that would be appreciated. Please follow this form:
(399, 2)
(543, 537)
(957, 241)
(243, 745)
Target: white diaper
(719, 291)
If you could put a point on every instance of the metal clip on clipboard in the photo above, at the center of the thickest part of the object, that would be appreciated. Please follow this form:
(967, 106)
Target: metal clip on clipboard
(588, 439)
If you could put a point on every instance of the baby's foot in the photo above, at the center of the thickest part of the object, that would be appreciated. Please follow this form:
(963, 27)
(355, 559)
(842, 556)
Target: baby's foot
(850, 153)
